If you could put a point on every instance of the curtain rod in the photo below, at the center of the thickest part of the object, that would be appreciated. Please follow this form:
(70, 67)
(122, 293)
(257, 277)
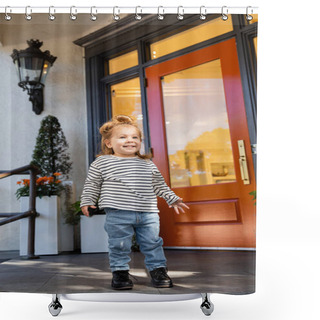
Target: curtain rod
(138, 10)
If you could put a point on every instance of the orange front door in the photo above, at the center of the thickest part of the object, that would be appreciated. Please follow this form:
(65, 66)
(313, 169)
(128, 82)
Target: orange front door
(200, 141)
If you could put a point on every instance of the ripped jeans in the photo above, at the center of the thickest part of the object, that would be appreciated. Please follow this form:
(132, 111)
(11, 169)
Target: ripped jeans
(120, 226)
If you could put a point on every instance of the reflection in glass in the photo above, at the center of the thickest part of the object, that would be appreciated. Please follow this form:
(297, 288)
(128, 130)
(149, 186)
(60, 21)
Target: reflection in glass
(126, 99)
(198, 137)
(123, 62)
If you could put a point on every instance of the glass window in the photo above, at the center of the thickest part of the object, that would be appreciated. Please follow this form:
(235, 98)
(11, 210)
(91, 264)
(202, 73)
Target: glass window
(126, 100)
(123, 62)
(190, 37)
(255, 18)
(197, 127)
(255, 44)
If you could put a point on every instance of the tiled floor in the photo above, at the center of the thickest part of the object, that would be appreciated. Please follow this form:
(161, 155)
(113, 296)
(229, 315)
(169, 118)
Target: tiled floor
(230, 272)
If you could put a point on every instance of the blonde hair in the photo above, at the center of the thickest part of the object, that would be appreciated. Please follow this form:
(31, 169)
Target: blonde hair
(106, 131)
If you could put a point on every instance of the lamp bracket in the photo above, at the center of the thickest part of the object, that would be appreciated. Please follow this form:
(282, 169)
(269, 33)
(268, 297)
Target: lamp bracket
(36, 97)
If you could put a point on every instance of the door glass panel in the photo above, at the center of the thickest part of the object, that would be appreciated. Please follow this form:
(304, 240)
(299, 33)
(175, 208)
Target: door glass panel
(190, 37)
(126, 100)
(197, 128)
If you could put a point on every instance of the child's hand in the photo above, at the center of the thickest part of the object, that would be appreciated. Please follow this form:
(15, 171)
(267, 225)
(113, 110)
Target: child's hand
(85, 210)
(179, 205)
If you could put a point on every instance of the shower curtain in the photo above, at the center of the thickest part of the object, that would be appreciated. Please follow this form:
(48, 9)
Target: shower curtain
(189, 81)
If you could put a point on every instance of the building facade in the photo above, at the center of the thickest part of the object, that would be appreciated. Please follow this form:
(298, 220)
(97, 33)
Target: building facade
(191, 86)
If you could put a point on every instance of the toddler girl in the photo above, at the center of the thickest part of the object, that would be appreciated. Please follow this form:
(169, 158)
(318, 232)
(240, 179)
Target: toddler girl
(126, 184)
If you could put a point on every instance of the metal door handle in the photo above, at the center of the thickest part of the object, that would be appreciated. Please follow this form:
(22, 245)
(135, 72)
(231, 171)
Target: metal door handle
(243, 163)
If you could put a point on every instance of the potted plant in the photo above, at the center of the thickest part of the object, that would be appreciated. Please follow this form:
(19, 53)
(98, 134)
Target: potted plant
(72, 214)
(71, 217)
(45, 186)
(91, 229)
(93, 236)
(51, 156)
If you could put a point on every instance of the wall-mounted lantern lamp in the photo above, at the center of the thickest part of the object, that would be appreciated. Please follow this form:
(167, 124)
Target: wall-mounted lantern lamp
(33, 66)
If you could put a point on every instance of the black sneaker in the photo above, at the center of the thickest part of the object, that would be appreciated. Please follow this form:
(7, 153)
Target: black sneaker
(121, 281)
(160, 278)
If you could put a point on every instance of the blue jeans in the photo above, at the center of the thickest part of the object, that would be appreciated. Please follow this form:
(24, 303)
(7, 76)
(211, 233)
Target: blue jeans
(120, 226)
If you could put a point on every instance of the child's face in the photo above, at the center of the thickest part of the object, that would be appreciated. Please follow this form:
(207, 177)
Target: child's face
(125, 141)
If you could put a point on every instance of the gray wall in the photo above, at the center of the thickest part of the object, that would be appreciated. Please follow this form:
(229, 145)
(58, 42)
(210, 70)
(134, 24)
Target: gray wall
(64, 97)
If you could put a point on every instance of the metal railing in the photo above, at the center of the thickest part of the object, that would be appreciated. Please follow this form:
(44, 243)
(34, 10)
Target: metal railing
(31, 213)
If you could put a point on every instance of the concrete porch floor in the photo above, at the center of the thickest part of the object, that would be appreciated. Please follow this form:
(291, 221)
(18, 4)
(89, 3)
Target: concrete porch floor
(192, 271)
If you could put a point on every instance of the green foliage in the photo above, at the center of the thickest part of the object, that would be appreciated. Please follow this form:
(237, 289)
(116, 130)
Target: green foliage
(135, 246)
(50, 154)
(254, 194)
(45, 186)
(72, 215)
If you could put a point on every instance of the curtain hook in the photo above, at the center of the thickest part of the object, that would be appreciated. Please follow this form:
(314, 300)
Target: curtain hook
(180, 13)
(52, 11)
(248, 16)
(27, 15)
(116, 16)
(73, 15)
(138, 16)
(203, 13)
(160, 15)
(93, 17)
(7, 17)
(224, 14)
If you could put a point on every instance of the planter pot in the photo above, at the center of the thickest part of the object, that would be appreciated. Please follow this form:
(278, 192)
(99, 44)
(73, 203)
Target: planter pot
(66, 231)
(93, 236)
(51, 234)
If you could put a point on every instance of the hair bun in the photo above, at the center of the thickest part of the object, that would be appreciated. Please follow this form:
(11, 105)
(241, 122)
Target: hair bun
(104, 128)
(123, 119)
(117, 120)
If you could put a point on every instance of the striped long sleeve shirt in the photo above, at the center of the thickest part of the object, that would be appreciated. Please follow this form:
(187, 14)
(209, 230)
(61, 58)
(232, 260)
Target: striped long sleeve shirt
(125, 184)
